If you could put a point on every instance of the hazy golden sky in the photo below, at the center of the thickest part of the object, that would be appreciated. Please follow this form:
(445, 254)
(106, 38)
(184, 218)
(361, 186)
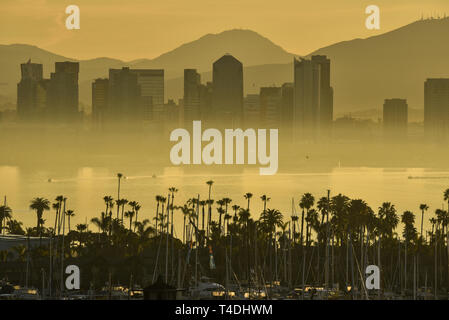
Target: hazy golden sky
(131, 29)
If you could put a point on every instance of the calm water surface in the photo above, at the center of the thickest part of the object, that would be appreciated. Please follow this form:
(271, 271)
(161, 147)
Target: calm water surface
(86, 186)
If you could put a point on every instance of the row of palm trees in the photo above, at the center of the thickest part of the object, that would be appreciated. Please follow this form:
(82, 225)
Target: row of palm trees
(324, 241)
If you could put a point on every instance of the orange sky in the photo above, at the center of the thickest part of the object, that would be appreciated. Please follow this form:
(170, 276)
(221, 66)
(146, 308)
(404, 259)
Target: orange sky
(135, 29)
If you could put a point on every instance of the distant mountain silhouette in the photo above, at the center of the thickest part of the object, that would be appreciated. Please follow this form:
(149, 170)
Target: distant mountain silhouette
(364, 71)
(247, 46)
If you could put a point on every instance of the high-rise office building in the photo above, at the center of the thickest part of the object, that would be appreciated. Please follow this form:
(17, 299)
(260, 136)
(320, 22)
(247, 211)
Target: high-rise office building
(62, 92)
(100, 98)
(270, 107)
(286, 126)
(306, 99)
(151, 83)
(31, 92)
(125, 99)
(227, 99)
(436, 109)
(192, 95)
(251, 111)
(395, 118)
(32, 71)
(152, 90)
(326, 94)
(206, 101)
(313, 98)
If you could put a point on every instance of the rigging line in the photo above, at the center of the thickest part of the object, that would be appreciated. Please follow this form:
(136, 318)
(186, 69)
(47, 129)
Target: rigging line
(360, 273)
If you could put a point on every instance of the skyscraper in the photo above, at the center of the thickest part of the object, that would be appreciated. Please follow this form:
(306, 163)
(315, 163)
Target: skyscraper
(395, 118)
(192, 92)
(62, 93)
(152, 90)
(436, 109)
(286, 126)
(151, 82)
(31, 91)
(251, 111)
(227, 99)
(125, 100)
(100, 98)
(326, 94)
(306, 99)
(313, 98)
(270, 107)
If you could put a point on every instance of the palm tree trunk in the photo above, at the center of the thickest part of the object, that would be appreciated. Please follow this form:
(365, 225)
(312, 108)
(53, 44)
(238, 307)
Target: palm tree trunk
(302, 226)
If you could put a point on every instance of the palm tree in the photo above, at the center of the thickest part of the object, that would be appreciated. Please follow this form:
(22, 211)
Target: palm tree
(209, 183)
(5, 214)
(294, 233)
(220, 211)
(173, 190)
(58, 207)
(136, 210)
(209, 209)
(109, 201)
(423, 207)
(130, 215)
(265, 199)
(123, 203)
(70, 214)
(235, 208)
(244, 216)
(102, 223)
(163, 201)
(446, 197)
(307, 202)
(248, 197)
(409, 234)
(388, 219)
(119, 177)
(272, 218)
(226, 202)
(15, 227)
(323, 205)
(40, 205)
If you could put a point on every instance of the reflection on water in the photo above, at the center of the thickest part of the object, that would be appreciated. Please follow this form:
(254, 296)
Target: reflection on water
(85, 188)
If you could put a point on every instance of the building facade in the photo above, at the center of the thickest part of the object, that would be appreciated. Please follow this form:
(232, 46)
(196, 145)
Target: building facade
(227, 92)
(436, 109)
(313, 99)
(395, 118)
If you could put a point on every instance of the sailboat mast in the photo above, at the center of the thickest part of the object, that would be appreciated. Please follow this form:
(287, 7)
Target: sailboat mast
(62, 249)
(326, 267)
(166, 238)
(196, 243)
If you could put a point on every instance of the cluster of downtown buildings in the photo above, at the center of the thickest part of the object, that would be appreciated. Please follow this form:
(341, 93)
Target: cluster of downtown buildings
(301, 110)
